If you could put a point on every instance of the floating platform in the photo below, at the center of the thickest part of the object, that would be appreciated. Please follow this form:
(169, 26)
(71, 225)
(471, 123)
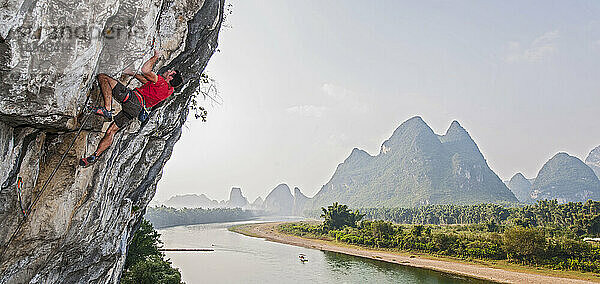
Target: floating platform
(185, 249)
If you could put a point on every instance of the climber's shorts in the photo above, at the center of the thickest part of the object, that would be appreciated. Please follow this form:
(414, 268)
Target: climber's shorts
(130, 105)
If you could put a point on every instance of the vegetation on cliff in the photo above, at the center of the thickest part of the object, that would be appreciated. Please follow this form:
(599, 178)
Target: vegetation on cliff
(145, 263)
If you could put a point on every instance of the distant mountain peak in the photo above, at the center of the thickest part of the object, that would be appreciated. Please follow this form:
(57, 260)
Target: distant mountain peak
(299, 202)
(518, 176)
(282, 187)
(456, 133)
(414, 124)
(520, 187)
(456, 129)
(258, 203)
(280, 200)
(235, 191)
(594, 156)
(593, 160)
(415, 167)
(191, 201)
(562, 155)
(358, 151)
(357, 154)
(565, 178)
(410, 131)
(298, 193)
(236, 199)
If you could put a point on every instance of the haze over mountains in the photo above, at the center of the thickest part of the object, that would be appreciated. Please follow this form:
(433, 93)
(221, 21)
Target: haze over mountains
(279, 201)
(236, 199)
(417, 167)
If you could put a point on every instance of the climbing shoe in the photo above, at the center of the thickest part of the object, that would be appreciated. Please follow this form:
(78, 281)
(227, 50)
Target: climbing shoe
(86, 162)
(101, 111)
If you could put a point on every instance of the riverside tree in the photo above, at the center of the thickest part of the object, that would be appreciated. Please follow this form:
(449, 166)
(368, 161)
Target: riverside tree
(337, 216)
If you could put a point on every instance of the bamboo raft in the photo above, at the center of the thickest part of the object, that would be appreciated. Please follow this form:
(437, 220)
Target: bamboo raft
(185, 249)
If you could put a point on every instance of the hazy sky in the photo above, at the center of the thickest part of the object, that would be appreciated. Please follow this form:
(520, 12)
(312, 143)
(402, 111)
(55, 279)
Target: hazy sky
(304, 82)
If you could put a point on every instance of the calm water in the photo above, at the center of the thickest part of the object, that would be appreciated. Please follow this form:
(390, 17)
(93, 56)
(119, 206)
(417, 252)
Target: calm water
(241, 259)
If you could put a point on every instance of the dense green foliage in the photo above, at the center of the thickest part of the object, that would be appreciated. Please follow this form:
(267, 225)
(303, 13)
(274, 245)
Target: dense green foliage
(581, 218)
(545, 234)
(153, 270)
(145, 264)
(162, 217)
(145, 243)
(337, 216)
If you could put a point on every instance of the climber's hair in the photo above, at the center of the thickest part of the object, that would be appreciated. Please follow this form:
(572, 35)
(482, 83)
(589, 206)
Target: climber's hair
(177, 80)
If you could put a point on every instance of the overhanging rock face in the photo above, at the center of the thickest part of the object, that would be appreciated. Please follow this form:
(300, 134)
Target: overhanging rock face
(50, 52)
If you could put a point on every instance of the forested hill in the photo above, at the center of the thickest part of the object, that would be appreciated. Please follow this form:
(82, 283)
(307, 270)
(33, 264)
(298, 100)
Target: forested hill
(416, 167)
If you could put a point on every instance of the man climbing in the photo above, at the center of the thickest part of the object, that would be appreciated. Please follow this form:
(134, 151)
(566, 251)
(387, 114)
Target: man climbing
(155, 89)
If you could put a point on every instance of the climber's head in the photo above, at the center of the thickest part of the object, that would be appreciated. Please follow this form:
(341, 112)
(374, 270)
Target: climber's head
(173, 78)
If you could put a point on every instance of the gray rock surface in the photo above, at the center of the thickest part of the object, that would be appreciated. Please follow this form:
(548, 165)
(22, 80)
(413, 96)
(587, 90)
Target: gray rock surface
(50, 52)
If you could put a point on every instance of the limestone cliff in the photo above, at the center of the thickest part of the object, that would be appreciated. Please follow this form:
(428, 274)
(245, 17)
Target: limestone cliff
(50, 52)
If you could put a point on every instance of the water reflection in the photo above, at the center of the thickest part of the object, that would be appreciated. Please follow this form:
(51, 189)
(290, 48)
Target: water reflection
(376, 269)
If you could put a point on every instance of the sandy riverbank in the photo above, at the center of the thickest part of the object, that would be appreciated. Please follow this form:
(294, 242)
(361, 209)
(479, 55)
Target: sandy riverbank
(269, 232)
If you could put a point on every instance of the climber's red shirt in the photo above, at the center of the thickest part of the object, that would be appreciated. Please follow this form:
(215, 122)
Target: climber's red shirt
(155, 93)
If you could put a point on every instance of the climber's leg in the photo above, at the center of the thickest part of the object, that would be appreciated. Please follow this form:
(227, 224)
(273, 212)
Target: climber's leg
(107, 139)
(107, 84)
(105, 142)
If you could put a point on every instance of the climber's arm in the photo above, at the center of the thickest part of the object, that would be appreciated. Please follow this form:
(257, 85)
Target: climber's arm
(141, 78)
(147, 68)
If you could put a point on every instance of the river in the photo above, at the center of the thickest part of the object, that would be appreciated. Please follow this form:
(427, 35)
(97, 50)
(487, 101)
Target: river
(241, 259)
